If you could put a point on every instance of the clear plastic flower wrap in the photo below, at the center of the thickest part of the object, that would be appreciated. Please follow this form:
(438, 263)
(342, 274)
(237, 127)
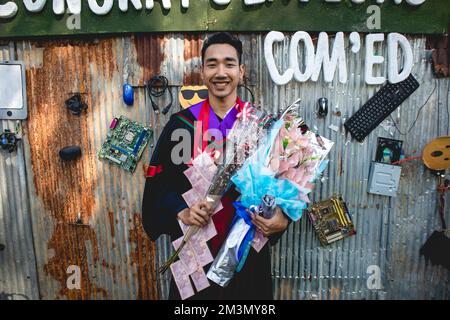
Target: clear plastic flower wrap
(282, 169)
(242, 141)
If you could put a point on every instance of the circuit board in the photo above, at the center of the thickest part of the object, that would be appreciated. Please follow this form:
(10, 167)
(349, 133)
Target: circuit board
(331, 220)
(125, 143)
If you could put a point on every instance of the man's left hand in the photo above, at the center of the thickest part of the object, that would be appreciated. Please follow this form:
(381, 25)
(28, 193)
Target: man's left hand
(278, 223)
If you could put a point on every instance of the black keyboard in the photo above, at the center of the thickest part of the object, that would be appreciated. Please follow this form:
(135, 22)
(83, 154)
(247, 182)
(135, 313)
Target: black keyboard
(381, 105)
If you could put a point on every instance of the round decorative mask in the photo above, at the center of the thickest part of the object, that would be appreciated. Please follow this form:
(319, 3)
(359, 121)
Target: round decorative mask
(436, 154)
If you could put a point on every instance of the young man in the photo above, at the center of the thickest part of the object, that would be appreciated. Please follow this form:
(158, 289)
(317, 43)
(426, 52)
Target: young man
(222, 71)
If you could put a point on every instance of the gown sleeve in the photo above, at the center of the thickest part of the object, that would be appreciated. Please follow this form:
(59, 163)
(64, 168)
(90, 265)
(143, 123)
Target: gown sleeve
(162, 198)
(274, 238)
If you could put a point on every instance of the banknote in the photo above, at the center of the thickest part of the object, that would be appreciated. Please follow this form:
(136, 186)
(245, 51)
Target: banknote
(184, 227)
(201, 250)
(201, 188)
(259, 241)
(200, 280)
(208, 172)
(205, 166)
(209, 231)
(182, 280)
(187, 256)
(193, 174)
(191, 197)
(203, 160)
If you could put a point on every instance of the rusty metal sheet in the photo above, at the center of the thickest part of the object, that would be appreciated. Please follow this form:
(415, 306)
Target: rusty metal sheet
(108, 244)
(18, 276)
(116, 259)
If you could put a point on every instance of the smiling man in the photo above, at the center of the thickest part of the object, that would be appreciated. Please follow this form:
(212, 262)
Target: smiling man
(222, 71)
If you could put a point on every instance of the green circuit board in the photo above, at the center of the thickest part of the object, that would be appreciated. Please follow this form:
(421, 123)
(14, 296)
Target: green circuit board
(125, 143)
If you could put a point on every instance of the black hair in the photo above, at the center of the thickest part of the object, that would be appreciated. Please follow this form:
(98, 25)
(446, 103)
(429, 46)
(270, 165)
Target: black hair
(222, 38)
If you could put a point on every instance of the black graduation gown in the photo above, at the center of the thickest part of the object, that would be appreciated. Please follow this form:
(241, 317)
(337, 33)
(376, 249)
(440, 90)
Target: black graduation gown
(162, 201)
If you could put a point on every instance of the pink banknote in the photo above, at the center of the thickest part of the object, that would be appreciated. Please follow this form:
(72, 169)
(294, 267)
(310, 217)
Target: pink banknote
(187, 256)
(201, 188)
(205, 166)
(182, 280)
(191, 197)
(207, 232)
(202, 253)
(200, 280)
(259, 241)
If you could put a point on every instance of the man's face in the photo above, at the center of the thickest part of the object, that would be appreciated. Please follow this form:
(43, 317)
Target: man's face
(221, 71)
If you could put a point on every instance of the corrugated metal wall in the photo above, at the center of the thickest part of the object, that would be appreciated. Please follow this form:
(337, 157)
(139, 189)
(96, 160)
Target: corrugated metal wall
(18, 274)
(42, 196)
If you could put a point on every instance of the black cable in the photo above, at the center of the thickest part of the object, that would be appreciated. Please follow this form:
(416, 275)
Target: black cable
(448, 117)
(417, 116)
(157, 87)
(251, 92)
(75, 104)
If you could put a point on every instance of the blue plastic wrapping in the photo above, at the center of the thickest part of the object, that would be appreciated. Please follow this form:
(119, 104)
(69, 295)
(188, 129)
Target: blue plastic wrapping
(255, 179)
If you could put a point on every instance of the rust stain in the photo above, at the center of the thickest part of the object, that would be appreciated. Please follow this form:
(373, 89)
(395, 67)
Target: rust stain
(192, 79)
(150, 55)
(111, 223)
(286, 289)
(144, 256)
(340, 166)
(111, 267)
(66, 188)
(69, 247)
(335, 293)
(192, 58)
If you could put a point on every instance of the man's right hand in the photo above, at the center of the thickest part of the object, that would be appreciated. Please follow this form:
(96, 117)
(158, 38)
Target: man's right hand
(197, 215)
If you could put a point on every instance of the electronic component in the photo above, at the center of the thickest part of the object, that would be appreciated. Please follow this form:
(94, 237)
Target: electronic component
(75, 104)
(157, 87)
(8, 140)
(13, 92)
(70, 153)
(388, 150)
(129, 137)
(381, 105)
(128, 94)
(113, 123)
(331, 220)
(125, 143)
(384, 179)
(322, 107)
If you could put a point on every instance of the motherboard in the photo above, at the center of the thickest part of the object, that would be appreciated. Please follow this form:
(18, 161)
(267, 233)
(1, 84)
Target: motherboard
(125, 143)
(331, 220)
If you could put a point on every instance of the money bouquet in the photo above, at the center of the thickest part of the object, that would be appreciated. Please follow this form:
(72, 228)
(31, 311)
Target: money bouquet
(210, 176)
(280, 173)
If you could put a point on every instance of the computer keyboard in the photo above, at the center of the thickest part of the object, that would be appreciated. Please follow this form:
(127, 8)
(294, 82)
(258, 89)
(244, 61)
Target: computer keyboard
(381, 105)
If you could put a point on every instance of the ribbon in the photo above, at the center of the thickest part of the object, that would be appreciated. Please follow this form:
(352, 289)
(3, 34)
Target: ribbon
(153, 171)
(245, 112)
(244, 248)
(204, 120)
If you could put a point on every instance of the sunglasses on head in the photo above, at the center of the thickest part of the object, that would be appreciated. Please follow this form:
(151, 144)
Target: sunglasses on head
(189, 94)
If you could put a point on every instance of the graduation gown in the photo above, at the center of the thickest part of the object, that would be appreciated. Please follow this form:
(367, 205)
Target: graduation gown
(162, 201)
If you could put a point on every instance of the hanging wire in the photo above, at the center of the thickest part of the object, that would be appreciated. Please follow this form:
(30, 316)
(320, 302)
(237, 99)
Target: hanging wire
(157, 86)
(418, 113)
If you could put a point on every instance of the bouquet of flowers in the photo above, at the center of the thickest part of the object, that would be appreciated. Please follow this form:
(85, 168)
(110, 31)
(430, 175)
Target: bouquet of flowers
(280, 173)
(217, 168)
